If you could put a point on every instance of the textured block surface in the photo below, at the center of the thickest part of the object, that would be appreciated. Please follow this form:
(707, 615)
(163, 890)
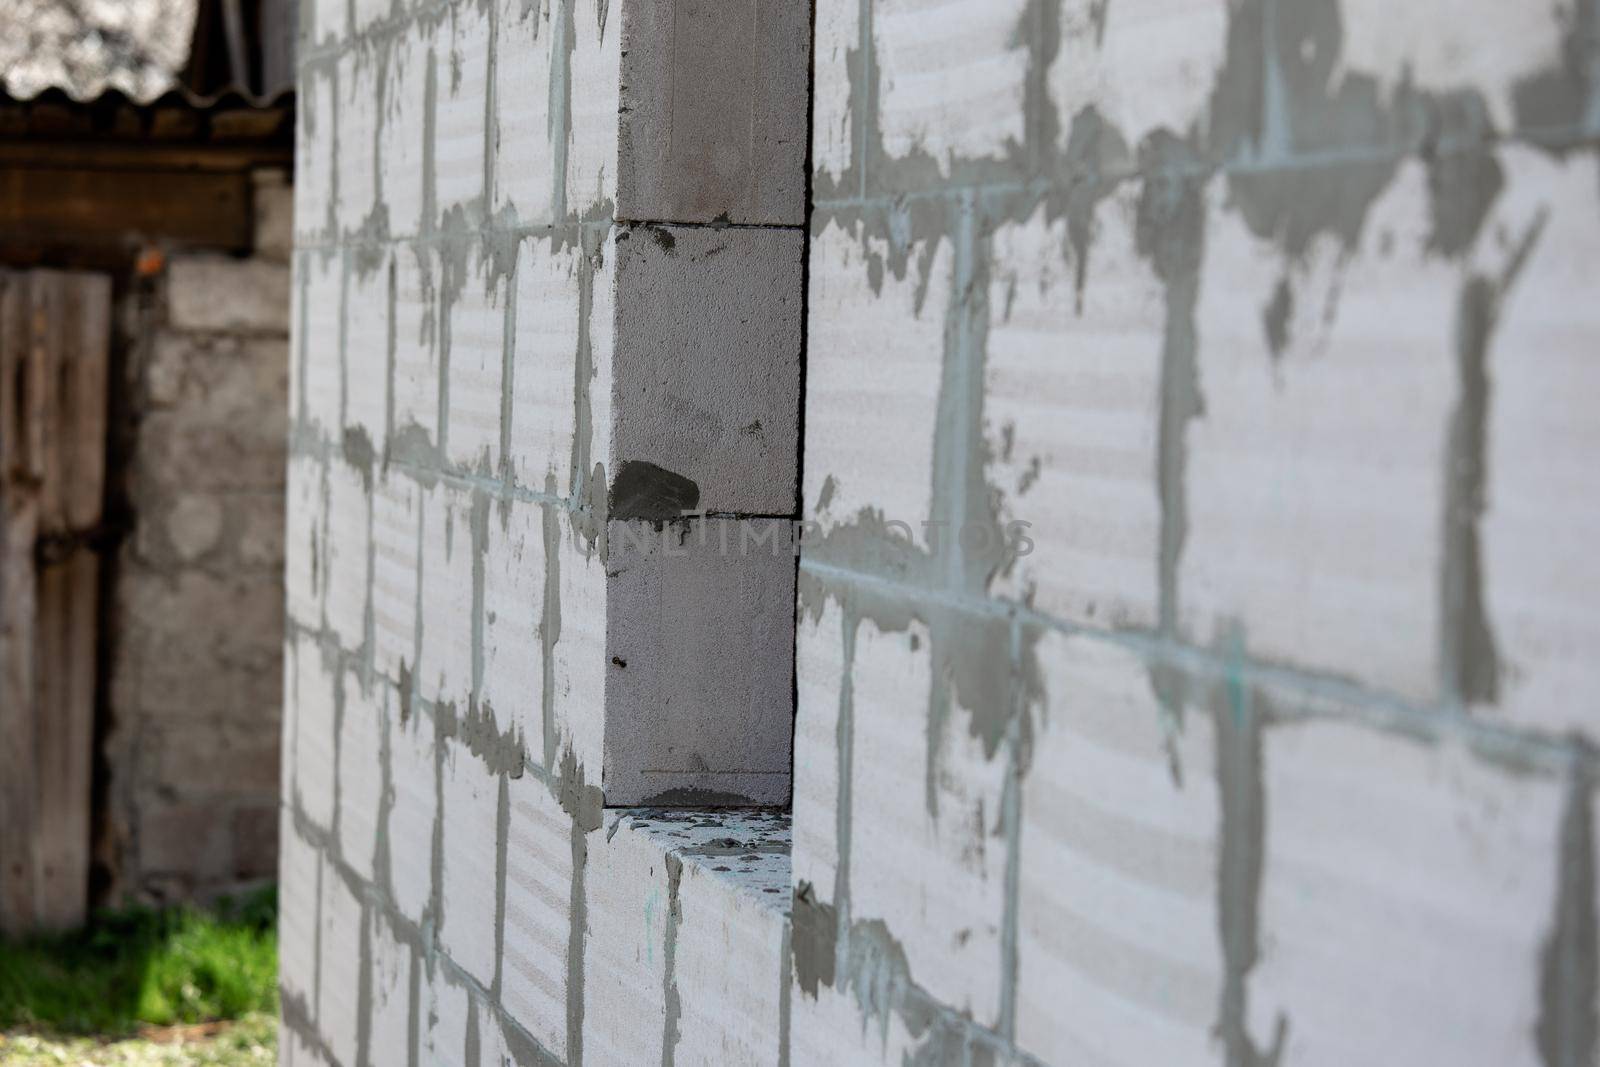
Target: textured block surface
(706, 385)
(713, 123)
(700, 648)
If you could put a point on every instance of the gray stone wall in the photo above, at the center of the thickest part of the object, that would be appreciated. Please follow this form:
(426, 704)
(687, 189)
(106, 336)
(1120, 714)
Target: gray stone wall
(196, 621)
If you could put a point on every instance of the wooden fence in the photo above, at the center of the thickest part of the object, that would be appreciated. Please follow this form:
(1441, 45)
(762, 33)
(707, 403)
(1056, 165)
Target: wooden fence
(54, 342)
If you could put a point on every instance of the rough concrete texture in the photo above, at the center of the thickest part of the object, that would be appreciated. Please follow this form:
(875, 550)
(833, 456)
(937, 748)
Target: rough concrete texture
(710, 130)
(192, 757)
(706, 383)
(700, 654)
(1265, 746)
(480, 347)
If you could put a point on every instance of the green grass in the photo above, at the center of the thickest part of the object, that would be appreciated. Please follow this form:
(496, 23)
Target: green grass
(140, 968)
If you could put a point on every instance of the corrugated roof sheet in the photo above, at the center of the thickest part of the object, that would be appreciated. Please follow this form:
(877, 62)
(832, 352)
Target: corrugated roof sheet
(177, 115)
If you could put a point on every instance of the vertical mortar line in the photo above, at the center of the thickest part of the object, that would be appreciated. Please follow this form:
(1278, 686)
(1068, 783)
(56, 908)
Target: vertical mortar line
(339, 702)
(390, 343)
(559, 109)
(670, 1031)
(578, 918)
(367, 660)
(864, 107)
(844, 742)
(333, 140)
(508, 370)
(413, 1008)
(1566, 1029)
(1011, 826)
(364, 987)
(336, 432)
(316, 940)
(301, 342)
(502, 836)
(785, 991)
(491, 131)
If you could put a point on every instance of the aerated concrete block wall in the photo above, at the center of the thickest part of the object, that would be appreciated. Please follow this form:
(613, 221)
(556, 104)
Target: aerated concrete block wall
(544, 458)
(1269, 740)
(1194, 605)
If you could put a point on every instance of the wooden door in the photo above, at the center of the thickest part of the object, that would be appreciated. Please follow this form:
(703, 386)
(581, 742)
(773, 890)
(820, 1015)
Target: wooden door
(54, 339)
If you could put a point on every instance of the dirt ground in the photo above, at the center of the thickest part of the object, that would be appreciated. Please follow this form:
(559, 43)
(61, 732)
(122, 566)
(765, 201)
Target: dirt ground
(250, 1042)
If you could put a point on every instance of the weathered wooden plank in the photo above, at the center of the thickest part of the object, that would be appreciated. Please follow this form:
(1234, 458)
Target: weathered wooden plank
(71, 325)
(18, 531)
(64, 736)
(54, 330)
(67, 207)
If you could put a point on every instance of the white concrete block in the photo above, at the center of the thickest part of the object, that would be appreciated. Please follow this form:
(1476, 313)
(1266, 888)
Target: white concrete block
(624, 955)
(1072, 405)
(580, 658)
(728, 966)
(361, 772)
(699, 711)
(461, 58)
(396, 514)
(356, 133)
(594, 77)
(391, 993)
(1401, 873)
(602, 343)
(442, 1020)
(1315, 481)
(477, 340)
(366, 350)
(411, 816)
(951, 77)
(400, 140)
(937, 881)
(322, 371)
(303, 537)
(1144, 65)
(524, 164)
(367, 12)
(313, 154)
(1439, 46)
(713, 115)
(543, 361)
(513, 607)
(706, 379)
(870, 423)
(538, 913)
(832, 1028)
(416, 350)
(299, 891)
(1540, 582)
(836, 48)
(471, 805)
(349, 535)
(444, 666)
(313, 740)
(1119, 959)
(328, 24)
(339, 968)
(819, 678)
